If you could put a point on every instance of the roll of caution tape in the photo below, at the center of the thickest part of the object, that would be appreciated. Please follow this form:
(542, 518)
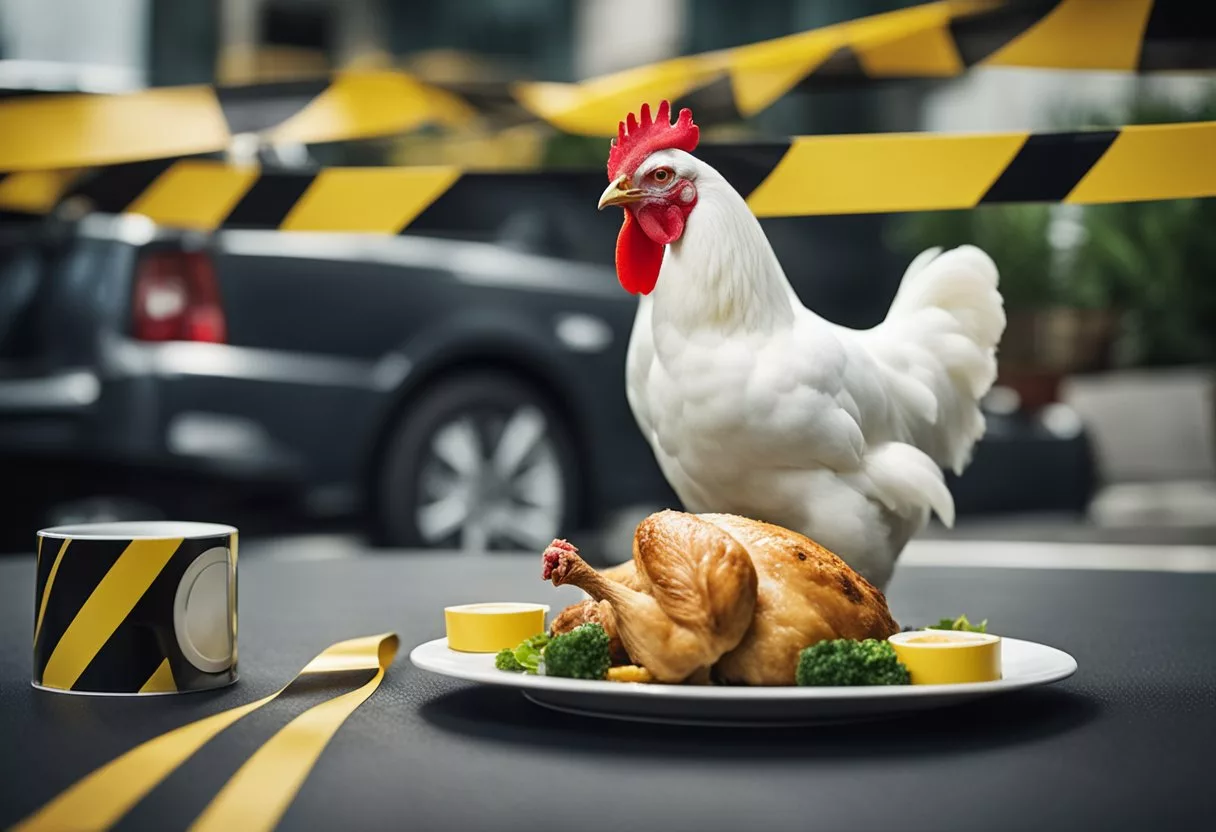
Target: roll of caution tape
(135, 608)
(488, 628)
(948, 657)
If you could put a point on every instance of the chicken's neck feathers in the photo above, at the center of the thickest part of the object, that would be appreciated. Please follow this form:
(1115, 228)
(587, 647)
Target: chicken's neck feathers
(722, 274)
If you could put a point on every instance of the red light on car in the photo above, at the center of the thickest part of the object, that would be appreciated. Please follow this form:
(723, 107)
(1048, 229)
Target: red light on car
(177, 298)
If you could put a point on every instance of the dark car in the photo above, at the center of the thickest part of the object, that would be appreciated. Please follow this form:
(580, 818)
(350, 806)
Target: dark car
(462, 392)
(461, 385)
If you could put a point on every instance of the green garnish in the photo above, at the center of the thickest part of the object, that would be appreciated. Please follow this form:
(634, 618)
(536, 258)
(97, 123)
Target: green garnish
(530, 652)
(505, 660)
(960, 623)
(845, 662)
(581, 653)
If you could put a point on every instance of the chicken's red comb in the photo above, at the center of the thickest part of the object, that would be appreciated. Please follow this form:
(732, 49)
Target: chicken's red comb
(635, 140)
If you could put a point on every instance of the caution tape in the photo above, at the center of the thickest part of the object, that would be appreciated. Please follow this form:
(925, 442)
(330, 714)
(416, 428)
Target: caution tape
(936, 40)
(64, 131)
(272, 776)
(924, 172)
(805, 176)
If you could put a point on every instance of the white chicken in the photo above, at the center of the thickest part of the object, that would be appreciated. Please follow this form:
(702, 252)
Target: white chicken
(756, 406)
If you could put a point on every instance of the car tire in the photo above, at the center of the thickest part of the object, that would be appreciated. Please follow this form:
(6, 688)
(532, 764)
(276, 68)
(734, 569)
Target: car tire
(477, 462)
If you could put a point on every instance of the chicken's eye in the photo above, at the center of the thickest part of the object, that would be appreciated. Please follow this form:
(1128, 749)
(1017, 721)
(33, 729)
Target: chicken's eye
(662, 175)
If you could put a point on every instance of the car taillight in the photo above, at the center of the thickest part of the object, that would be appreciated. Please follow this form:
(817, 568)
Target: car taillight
(177, 298)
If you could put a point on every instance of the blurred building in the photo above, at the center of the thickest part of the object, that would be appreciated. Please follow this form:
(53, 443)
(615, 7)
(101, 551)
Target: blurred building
(123, 44)
(73, 44)
(183, 41)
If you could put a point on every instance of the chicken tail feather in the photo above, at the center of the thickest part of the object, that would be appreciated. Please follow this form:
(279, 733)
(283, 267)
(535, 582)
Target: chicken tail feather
(905, 480)
(938, 343)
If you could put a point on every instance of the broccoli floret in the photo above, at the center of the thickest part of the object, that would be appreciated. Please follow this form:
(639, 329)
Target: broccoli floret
(505, 660)
(528, 653)
(842, 662)
(581, 653)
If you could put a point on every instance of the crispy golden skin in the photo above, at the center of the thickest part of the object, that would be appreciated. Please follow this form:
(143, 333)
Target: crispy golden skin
(806, 595)
(721, 596)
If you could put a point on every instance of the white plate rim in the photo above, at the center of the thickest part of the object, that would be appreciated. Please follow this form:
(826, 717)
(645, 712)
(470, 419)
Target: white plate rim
(1066, 667)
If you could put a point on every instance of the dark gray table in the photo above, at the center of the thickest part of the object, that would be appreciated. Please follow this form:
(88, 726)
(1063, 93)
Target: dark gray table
(1122, 745)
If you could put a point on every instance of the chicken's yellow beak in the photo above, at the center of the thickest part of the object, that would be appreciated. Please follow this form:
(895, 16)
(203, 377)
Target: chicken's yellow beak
(620, 192)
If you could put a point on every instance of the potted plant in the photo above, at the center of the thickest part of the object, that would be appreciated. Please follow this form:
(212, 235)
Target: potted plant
(1156, 260)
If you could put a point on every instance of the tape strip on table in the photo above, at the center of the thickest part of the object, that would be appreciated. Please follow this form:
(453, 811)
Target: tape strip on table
(102, 798)
(256, 797)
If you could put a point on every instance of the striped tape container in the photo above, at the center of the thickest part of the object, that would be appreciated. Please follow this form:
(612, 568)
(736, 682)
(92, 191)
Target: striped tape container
(135, 608)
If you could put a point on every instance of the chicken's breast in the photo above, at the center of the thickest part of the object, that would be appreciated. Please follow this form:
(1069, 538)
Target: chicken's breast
(805, 595)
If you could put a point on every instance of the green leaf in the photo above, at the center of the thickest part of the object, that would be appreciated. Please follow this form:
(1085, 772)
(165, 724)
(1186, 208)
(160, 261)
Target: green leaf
(960, 623)
(530, 652)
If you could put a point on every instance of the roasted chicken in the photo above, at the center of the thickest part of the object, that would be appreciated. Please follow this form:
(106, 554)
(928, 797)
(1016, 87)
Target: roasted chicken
(721, 598)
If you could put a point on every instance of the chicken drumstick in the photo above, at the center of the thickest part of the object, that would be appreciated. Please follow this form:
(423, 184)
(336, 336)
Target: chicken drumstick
(695, 598)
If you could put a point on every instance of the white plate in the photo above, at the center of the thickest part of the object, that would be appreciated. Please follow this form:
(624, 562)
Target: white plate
(1024, 664)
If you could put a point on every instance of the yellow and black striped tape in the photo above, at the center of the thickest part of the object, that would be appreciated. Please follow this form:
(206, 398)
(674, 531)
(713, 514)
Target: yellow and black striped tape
(935, 40)
(136, 615)
(802, 177)
(258, 794)
(45, 132)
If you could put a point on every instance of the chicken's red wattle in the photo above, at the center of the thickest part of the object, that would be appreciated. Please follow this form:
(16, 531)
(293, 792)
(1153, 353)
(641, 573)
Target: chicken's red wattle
(638, 258)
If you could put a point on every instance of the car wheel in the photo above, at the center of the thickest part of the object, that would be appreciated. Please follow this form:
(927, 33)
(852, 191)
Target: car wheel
(477, 463)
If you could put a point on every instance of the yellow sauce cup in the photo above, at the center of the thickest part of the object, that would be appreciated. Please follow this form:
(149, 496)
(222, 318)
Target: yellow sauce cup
(490, 627)
(948, 657)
